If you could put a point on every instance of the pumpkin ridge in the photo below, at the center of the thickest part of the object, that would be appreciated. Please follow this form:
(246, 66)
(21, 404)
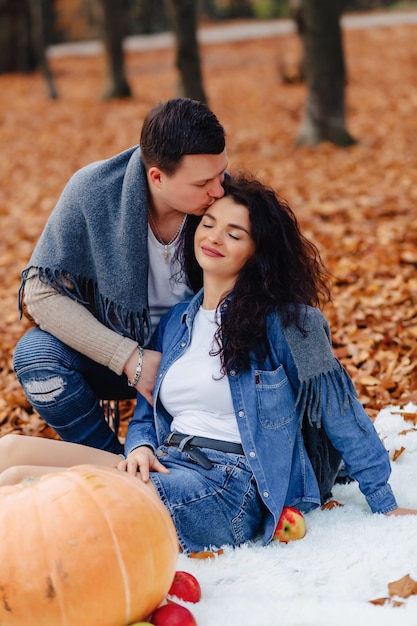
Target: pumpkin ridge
(52, 590)
(78, 478)
(74, 479)
(153, 504)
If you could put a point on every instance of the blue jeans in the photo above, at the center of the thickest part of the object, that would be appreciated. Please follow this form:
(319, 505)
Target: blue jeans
(65, 388)
(213, 507)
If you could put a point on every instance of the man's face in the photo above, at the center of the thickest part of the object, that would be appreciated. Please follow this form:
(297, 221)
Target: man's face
(195, 185)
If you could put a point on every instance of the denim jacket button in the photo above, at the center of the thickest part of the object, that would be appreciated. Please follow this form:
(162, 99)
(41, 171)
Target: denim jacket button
(241, 413)
(252, 454)
(183, 344)
(266, 494)
(232, 373)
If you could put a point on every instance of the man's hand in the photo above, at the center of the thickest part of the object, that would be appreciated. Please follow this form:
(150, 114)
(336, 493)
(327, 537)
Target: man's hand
(142, 460)
(150, 365)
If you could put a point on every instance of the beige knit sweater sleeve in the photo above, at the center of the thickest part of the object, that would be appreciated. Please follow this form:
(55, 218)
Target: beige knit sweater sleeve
(75, 326)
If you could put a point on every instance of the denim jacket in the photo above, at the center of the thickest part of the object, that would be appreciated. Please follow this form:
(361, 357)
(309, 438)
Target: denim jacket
(270, 404)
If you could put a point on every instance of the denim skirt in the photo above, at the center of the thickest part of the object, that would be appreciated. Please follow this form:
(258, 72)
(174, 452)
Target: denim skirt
(213, 507)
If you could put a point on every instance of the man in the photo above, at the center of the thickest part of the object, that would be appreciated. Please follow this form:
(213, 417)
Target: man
(107, 267)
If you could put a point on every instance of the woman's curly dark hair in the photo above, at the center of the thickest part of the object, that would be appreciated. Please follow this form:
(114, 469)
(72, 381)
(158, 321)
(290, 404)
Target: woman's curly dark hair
(285, 273)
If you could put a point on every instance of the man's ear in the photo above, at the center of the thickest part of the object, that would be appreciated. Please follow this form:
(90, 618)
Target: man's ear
(155, 176)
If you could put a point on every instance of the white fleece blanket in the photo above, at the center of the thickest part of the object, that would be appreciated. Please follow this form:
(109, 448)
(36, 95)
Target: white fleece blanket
(347, 558)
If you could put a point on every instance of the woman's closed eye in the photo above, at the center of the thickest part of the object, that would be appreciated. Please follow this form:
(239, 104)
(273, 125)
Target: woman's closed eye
(231, 234)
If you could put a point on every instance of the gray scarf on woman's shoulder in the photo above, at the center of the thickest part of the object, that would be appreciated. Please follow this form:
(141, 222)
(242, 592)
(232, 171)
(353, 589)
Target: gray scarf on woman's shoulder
(318, 368)
(316, 365)
(94, 245)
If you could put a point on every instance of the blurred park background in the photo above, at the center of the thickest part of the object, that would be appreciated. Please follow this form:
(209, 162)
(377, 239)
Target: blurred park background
(324, 109)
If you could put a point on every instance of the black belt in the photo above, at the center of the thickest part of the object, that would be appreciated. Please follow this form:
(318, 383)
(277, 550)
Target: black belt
(189, 443)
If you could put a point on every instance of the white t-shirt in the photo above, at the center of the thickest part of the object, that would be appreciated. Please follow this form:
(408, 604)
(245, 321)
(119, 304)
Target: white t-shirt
(162, 273)
(195, 392)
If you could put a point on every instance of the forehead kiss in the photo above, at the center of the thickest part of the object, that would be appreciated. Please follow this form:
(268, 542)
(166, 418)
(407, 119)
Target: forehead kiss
(226, 212)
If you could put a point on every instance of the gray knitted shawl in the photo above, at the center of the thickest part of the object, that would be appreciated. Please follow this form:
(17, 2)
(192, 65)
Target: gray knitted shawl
(94, 245)
(316, 365)
(317, 368)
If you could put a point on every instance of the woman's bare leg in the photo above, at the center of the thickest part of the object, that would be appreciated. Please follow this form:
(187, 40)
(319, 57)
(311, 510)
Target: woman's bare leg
(17, 473)
(22, 456)
(43, 456)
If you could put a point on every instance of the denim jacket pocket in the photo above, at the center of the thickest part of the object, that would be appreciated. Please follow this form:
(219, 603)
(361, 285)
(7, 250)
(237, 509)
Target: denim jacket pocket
(274, 398)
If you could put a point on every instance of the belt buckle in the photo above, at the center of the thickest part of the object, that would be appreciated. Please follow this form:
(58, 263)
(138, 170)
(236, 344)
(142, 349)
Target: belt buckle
(185, 442)
(185, 445)
(168, 439)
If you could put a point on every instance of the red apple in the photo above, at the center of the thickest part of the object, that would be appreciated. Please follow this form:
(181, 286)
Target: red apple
(173, 615)
(186, 587)
(291, 525)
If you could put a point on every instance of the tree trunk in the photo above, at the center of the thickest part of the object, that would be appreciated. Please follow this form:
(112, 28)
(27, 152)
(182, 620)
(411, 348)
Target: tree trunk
(23, 39)
(114, 12)
(147, 16)
(38, 19)
(324, 113)
(16, 47)
(183, 18)
(291, 65)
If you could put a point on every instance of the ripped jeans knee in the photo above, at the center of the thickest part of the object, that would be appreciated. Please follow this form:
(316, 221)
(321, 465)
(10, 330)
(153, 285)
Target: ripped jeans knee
(54, 378)
(45, 368)
(45, 389)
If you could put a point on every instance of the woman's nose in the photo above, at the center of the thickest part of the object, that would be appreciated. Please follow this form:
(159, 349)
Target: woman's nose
(214, 236)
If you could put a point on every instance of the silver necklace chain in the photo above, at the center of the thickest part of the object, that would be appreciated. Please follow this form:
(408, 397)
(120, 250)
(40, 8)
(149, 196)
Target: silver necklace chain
(165, 252)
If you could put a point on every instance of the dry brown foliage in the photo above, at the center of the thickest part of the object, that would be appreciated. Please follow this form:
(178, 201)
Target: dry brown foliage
(356, 204)
(402, 588)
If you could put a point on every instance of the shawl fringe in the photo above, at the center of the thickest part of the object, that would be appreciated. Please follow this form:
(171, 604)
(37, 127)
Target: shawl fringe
(309, 399)
(133, 324)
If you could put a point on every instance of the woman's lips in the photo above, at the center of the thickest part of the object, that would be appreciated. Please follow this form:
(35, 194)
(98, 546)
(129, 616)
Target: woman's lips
(211, 251)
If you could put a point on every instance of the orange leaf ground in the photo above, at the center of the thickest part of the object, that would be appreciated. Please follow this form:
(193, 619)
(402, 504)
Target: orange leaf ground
(356, 204)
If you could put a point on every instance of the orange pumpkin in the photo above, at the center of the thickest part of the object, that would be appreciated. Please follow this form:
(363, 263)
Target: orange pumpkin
(82, 547)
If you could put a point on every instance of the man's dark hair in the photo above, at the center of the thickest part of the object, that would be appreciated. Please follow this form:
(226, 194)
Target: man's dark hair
(178, 127)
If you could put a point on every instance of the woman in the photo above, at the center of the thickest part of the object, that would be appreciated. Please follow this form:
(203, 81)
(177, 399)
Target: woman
(244, 364)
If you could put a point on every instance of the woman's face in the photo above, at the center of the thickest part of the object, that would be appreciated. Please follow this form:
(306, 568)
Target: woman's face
(223, 242)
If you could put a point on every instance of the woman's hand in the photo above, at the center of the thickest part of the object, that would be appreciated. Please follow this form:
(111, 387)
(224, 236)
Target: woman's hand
(150, 365)
(140, 462)
(399, 511)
